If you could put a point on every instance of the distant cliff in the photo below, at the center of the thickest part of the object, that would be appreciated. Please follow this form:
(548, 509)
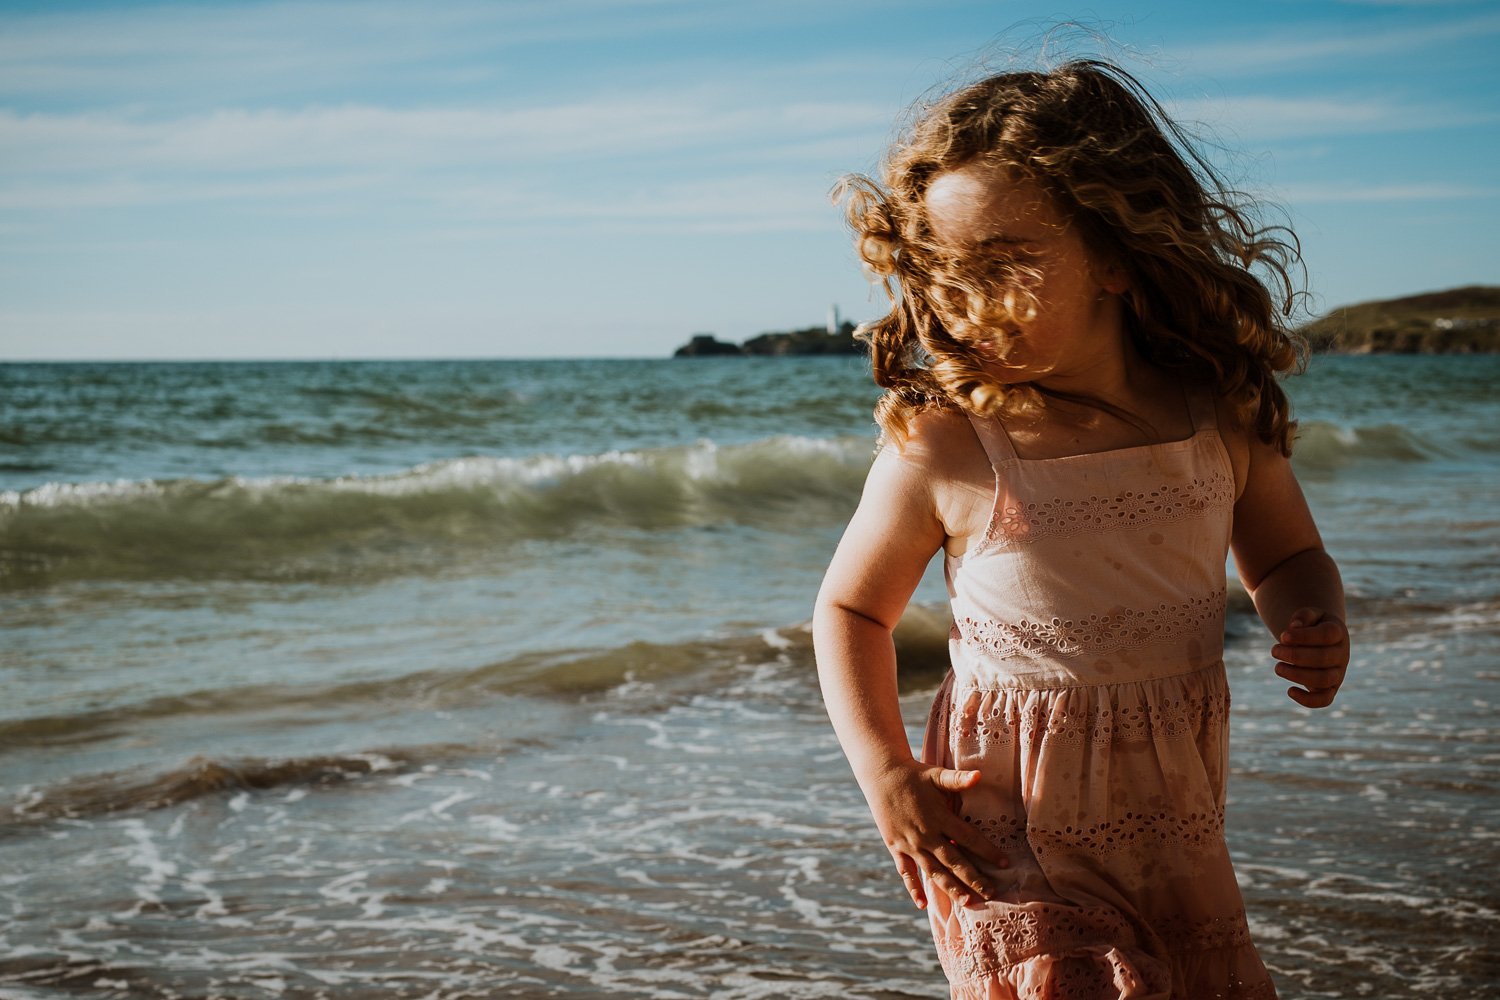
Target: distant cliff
(1457, 321)
(807, 341)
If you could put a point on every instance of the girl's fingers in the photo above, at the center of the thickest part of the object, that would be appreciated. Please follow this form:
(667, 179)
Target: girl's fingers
(947, 857)
(1312, 699)
(964, 871)
(911, 877)
(1309, 656)
(1322, 634)
(940, 876)
(1314, 656)
(975, 843)
(950, 780)
(1313, 680)
(1318, 687)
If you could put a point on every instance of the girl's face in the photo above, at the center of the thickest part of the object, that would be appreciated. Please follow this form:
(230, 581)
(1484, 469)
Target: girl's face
(997, 225)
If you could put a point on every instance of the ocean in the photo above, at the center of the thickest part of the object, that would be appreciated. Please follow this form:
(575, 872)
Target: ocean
(450, 679)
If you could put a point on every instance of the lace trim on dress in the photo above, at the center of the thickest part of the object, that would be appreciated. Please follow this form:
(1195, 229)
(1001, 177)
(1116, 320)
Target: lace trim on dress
(1029, 520)
(1127, 628)
(1021, 932)
(1169, 718)
(1069, 945)
(1000, 938)
(1184, 830)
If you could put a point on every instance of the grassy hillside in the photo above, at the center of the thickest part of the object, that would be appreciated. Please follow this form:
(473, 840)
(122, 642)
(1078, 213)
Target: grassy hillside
(1456, 321)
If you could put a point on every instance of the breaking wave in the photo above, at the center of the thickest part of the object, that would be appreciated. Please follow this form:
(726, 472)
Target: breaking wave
(431, 516)
(1328, 447)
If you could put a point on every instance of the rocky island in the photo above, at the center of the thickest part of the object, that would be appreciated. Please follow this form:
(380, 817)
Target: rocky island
(836, 338)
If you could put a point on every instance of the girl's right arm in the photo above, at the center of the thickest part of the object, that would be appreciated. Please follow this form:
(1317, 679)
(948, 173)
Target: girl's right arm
(891, 538)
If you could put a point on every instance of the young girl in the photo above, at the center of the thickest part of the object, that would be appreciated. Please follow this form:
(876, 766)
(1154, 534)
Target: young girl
(1082, 412)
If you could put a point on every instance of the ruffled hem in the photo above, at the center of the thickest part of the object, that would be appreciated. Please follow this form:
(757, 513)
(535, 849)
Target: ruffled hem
(1121, 972)
(1099, 972)
(1105, 972)
(1036, 950)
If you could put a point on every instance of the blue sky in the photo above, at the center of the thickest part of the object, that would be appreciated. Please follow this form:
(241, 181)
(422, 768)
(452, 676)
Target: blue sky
(608, 177)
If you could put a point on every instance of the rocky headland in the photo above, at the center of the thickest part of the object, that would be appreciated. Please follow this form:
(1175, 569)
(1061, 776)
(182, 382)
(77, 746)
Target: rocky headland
(1457, 321)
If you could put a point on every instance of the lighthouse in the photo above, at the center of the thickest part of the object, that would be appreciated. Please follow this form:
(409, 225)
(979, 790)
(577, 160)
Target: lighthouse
(833, 320)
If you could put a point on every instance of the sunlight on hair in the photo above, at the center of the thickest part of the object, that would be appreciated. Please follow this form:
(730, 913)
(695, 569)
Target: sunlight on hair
(1209, 291)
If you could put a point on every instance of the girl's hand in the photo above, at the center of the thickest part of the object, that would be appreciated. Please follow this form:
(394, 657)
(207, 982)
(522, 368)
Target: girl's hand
(913, 806)
(1313, 653)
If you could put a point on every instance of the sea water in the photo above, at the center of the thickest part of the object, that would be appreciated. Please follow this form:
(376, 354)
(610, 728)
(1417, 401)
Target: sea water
(492, 678)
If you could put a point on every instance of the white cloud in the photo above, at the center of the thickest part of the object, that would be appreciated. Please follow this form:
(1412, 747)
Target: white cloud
(48, 45)
(245, 50)
(1260, 117)
(91, 193)
(742, 203)
(1307, 194)
(1338, 41)
(117, 158)
(1412, 3)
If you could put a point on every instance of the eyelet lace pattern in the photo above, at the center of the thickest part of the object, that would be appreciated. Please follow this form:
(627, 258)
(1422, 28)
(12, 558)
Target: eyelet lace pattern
(1128, 628)
(1059, 945)
(1051, 952)
(1151, 831)
(1024, 521)
(1007, 721)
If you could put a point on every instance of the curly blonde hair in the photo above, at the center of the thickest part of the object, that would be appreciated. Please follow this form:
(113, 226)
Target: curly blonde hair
(1210, 291)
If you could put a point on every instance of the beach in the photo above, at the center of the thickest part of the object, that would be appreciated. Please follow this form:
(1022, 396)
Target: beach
(450, 679)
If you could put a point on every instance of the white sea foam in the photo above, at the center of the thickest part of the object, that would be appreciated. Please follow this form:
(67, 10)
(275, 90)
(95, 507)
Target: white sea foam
(145, 854)
(496, 827)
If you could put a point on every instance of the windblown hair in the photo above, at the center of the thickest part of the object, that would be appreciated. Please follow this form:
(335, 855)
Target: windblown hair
(1210, 291)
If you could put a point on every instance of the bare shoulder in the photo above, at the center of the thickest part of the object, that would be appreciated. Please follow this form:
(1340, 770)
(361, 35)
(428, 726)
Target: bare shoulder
(942, 444)
(1238, 442)
(936, 437)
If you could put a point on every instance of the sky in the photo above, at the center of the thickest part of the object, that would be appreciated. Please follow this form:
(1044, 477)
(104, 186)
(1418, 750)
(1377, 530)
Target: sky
(606, 178)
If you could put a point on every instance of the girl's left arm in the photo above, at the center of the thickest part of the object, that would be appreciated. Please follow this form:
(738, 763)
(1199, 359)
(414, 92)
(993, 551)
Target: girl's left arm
(1292, 580)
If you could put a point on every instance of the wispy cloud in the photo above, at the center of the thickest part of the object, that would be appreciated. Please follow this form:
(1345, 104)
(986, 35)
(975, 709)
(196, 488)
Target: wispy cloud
(105, 158)
(1308, 194)
(304, 33)
(741, 202)
(1259, 118)
(1412, 3)
(238, 52)
(1338, 41)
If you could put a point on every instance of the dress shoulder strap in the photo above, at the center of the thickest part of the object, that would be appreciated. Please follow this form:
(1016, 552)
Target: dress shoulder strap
(1200, 400)
(993, 438)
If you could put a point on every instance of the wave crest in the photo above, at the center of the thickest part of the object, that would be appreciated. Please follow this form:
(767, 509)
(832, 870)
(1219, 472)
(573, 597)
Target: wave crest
(430, 516)
(1327, 447)
(109, 793)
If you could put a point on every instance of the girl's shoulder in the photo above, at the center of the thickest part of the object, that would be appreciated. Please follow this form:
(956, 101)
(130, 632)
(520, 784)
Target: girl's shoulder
(1238, 440)
(938, 425)
(942, 441)
(942, 451)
